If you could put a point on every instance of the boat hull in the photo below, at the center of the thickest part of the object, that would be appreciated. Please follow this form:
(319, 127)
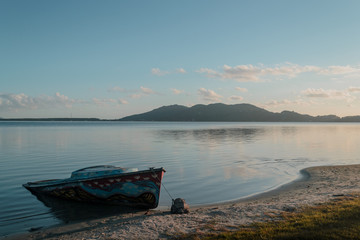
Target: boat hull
(135, 189)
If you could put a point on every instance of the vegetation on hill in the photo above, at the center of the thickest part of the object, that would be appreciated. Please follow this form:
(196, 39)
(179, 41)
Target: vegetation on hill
(219, 112)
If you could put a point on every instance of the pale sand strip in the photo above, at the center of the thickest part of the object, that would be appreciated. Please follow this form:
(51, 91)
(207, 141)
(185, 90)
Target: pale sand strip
(319, 184)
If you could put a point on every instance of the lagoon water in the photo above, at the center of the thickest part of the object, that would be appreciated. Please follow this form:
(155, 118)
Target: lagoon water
(205, 162)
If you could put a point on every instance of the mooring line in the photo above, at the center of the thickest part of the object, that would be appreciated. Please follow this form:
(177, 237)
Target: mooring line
(162, 184)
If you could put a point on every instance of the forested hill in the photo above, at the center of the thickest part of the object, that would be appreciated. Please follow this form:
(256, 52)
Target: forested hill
(219, 112)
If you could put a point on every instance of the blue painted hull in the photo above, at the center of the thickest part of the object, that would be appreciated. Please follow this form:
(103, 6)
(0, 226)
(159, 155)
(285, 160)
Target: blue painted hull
(135, 189)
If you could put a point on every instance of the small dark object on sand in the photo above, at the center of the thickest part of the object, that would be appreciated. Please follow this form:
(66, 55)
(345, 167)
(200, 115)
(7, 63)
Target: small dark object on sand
(179, 206)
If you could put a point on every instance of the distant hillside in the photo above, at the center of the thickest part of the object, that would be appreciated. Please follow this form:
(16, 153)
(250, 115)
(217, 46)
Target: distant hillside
(219, 112)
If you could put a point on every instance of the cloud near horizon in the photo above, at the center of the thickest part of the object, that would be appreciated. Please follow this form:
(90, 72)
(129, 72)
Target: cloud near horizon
(144, 91)
(176, 91)
(236, 98)
(310, 96)
(107, 101)
(147, 90)
(15, 102)
(251, 73)
(323, 95)
(21, 101)
(181, 70)
(340, 70)
(209, 95)
(241, 89)
(354, 89)
(330, 93)
(284, 102)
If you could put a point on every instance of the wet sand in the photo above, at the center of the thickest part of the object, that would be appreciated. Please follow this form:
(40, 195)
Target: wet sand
(317, 185)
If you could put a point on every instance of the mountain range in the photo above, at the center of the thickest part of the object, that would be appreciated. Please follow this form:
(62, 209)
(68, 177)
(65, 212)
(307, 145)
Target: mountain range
(219, 112)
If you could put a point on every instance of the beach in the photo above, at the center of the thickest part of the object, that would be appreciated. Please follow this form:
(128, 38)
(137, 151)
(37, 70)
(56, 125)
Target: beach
(317, 185)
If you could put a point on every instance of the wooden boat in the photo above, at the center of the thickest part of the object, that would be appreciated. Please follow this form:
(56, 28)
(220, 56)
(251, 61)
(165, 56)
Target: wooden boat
(105, 184)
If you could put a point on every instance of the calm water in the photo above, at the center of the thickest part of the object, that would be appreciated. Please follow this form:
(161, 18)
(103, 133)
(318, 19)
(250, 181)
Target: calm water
(205, 162)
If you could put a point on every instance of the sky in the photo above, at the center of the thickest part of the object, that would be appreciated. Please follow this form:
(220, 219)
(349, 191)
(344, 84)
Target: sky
(111, 59)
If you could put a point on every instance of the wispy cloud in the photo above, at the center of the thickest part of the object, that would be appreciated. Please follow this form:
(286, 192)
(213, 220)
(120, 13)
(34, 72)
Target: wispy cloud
(176, 91)
(236, 98)
(147, 91)
(103, 102)
(180, 70)
(117, 89)
(241, 89)
(284, 102)
(21, 101)
(109, 101)
(144, 91)
(354, 89)
(339, 70)
(15, 102)
(316, 96)
(136, 95)
(62, 100)
(322, 93)
(158, 72)
(210, 72)
(241, 73)
(330, 94)
(122, 101)
(251, 73)
(209, 95)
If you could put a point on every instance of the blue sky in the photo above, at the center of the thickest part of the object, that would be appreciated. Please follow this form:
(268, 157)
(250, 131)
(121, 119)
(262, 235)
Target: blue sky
(110, 59)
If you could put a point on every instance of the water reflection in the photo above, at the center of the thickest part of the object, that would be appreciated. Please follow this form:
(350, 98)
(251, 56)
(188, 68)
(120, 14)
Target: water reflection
(71, 211)
(242, 172)
(221, 134)
(205, 162)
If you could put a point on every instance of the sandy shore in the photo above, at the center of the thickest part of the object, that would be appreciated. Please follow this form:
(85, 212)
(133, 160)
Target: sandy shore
(318, 185)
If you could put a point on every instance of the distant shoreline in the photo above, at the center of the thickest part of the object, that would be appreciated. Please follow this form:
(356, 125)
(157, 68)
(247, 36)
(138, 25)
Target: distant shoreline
(120, 120)
(216, 112)
(54, 119)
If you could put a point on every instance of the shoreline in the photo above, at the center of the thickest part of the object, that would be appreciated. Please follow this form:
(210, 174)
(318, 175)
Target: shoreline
(315, 186)
(304, 176)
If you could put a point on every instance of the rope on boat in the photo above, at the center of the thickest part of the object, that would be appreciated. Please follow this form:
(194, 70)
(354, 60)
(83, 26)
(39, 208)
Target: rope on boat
(178, 206)
(162, 184)
(172, 199)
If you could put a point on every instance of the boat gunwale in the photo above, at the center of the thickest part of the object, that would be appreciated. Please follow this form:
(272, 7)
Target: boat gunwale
(45, 183)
